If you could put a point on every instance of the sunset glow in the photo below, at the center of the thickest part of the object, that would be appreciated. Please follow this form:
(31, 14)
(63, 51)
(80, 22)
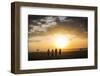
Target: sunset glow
(61, 41)
(56, 32)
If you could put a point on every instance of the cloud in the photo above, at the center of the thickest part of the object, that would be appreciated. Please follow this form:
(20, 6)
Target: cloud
(62, 18)
(42, 25)
(46, 25)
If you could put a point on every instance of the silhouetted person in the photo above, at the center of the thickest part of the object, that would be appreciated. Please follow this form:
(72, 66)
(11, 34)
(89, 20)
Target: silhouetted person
(55, 52)
(59, 51)
(52, 52)
(48, 52)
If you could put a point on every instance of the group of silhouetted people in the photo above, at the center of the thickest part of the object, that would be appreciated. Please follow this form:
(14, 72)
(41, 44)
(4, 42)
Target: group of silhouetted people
(54, 52)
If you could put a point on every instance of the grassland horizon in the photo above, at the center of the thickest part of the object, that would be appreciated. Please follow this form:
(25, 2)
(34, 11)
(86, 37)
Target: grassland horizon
(58, 54)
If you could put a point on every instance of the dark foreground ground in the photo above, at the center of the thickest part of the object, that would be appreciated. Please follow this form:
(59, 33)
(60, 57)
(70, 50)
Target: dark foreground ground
(62, 55)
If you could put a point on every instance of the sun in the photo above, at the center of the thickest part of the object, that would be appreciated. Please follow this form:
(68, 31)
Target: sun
(61, 41)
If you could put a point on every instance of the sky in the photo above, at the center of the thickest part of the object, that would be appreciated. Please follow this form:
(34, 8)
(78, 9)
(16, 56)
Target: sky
(43, 31)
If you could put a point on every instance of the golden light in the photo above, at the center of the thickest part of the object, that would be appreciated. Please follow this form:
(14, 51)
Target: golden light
(61, 41)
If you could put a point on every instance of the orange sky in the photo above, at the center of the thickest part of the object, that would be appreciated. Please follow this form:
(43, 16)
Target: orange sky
(49, 43)
(44, 31)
